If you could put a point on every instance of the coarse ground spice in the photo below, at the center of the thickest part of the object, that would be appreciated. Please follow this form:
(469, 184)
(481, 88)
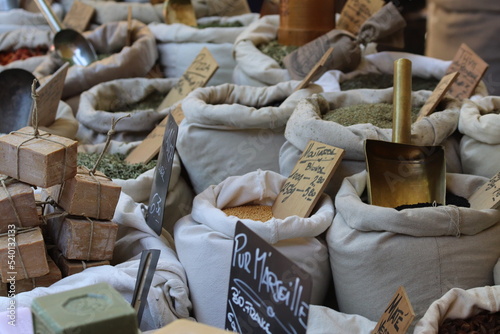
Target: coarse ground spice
(114, 165)
(218, 24)
(482, 323)
(276, 51)
(451, 199)
(381, 80)
(7, 57)
(151, 101)
(256, 212)
(378, 114)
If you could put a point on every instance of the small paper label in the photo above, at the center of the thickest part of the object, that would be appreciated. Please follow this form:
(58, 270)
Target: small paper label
(356, 12)
(471, 68)
(306, 183)
(487, 196)
(49, 96)
(398, 315)
(78, 16)
(437, 95)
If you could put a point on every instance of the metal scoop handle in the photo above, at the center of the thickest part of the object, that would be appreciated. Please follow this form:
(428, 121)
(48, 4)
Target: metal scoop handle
(401, 118)
(52, 19)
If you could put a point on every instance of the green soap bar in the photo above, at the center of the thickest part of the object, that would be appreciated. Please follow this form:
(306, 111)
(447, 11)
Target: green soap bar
(94, 309)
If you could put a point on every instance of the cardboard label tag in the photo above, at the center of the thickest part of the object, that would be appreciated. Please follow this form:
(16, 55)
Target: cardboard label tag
(178, 114)
(487, 196)
(398, 315)
(197, 75)
(162, 175)
(185, 326)
(356, 12)
(49, 96)
(315, 71)
(437, 95)
(268, 293)
(471, 68)
(306, 183)
(78, 16)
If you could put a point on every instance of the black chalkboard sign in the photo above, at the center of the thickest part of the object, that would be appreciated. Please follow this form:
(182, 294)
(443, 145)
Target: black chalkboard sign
(268, 293)
(158, 195)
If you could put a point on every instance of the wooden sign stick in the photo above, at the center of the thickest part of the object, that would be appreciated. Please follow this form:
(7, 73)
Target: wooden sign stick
(437, 95)
(487, 196)
(315, 71)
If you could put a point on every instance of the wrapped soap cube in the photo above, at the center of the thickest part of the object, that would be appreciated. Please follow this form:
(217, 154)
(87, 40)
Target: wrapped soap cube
(17, 205)
(50, 278)
(90, 195)
(23, 255)
(43, 161)
(70, 267)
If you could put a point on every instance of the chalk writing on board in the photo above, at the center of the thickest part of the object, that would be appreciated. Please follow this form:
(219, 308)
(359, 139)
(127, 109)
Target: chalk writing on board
(264, 292)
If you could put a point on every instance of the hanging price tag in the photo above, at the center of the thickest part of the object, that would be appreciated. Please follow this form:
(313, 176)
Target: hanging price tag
(398, 315)
(356, 12)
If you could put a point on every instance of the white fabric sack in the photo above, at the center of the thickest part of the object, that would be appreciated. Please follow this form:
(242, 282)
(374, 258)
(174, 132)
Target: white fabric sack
(306, 123)
(232, 130)
(204, 240)
(253, 67)
(179, 196)
(25, 37)
(479, 123)
(459, 304)
(124, 62)
(179, 44)
(324, 320)
(20, 18)
(383, 63)
(374, 250)
(168, 297)
(96, 109)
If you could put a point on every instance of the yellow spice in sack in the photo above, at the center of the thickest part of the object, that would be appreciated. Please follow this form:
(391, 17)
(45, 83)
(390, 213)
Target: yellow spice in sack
(261, 213)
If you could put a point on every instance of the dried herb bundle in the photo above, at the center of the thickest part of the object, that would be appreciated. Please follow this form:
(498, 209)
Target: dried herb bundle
(380, 81)
(151, 101)
(482, 323)
(378, 114)
(114, 165)
(276, 51)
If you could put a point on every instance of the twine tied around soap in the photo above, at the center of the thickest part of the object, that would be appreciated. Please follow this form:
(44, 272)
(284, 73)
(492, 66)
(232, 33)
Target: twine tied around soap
(18, 251)
(5, 180)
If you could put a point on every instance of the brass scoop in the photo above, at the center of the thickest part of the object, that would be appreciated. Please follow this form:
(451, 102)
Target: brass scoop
(400, 173)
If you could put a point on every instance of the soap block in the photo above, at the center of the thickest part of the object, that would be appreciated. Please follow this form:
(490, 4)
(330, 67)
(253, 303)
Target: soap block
(94, 196)
(43, 161)
(80, 238)
(29, 255)
(17, 199)
(96, 309)
(70, 267)
(29, 284)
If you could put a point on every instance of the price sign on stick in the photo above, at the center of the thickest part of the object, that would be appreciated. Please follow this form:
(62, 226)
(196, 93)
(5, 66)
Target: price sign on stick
(161, 178)
(398, 315)
(268, 293)
(317, 70)
(306, 183)
(78, 16)
(437, 95)
(356, 12)
(487, 196)
(471, 68)
(49, 96)
(197, 75)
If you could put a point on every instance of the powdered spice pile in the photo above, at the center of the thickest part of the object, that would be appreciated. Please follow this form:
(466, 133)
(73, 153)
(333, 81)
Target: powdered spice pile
(261, 213)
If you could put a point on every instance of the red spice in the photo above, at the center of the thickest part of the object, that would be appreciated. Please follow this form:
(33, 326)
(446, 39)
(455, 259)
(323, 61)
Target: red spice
(7, 57)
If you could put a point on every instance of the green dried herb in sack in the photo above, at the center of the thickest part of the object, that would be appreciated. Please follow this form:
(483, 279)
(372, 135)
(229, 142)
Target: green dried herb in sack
(151, 101)
(276, 51)
(381, 80)
(218, 24)
(114, 165)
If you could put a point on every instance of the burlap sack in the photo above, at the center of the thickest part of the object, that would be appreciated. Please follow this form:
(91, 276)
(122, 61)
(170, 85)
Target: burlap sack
(459, 304)
(18, 18)
(96, 110)
(306, 123)
(179, 196)
(232, 130)
(25, 37)
(168, 298)
(179, 44)
(374, 250)
(207, 264)
(123, 62)
(479, 123)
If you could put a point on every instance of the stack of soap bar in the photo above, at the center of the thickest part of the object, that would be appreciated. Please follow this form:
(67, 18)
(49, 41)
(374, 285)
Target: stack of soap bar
(17, 203)
(93, 196)
(28, 284)
(70, 267)
(94, 309)
(42, 161)
(28, 258)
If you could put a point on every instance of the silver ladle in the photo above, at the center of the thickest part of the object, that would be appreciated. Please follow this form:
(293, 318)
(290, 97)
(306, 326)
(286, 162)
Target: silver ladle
(69, 44)
(15, 99)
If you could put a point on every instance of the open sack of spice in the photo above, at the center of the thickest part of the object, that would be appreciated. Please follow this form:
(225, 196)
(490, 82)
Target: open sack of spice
(245, 125)
(137, 97)
(475, 310)
(479, 123)
(427, 249)
(24, 48)
(347, 119)
(348, 49)
(168, 298)
(211, 225)
(178, 44)
(17, 18)
(206, 8)
(116, 60)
